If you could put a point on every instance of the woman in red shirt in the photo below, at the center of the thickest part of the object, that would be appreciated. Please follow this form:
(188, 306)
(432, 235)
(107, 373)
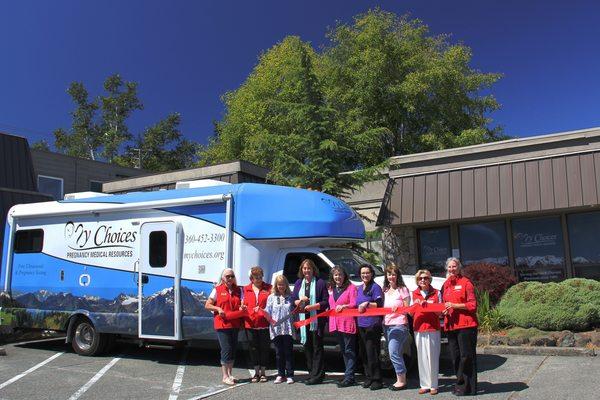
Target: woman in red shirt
(257, 326)
(427, 333)
(224, 298)
(460, 322)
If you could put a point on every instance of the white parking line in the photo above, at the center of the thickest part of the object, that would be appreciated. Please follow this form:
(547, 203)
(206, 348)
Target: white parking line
(203, 396)
(16, 378)
(95, 378)
(178, 377)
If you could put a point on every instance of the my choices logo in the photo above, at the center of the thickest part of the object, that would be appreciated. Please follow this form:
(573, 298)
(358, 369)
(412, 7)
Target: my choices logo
(79, 237)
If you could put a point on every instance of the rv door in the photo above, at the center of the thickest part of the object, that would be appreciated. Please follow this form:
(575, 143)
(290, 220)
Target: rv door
(158, 281)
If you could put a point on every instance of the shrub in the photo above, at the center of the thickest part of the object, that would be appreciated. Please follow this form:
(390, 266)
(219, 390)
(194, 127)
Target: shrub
(489, 318)
(491, 278)
(573, 304)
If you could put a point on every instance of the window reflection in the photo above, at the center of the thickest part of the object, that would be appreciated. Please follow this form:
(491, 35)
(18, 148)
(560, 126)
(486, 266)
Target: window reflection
(585, 244)
(539, 249)
(434, 249)
(483, 243)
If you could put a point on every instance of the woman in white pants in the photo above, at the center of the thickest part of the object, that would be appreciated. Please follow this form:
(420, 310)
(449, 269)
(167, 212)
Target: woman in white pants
(427, 333)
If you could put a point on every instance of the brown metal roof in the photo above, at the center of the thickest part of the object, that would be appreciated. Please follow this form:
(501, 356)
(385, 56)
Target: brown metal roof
(499, 189)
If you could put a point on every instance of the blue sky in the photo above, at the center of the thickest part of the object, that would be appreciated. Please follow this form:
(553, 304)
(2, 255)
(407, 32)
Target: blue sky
(186, 54)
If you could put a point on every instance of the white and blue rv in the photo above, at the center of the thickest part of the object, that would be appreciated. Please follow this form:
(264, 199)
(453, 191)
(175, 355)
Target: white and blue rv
(141, 265)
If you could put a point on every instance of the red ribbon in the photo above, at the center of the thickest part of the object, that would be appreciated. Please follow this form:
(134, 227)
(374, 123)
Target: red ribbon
(374, 312)
(237, 314)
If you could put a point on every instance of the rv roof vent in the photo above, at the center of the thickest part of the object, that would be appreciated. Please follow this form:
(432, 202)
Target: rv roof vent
(199, 184)
(84, 195)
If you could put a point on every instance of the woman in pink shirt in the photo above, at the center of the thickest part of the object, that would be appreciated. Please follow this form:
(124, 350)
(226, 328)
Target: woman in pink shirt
(342, 295)
(396, 295)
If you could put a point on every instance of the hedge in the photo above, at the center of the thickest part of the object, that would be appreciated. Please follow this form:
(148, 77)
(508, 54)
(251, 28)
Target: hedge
(573, 304)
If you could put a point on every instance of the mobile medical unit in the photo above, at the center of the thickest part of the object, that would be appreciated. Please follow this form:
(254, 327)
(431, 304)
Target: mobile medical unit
(141, 265)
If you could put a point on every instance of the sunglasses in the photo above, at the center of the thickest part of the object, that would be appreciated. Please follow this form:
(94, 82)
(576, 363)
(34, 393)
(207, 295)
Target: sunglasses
(257, 276)
(229, 276)
(424, 278)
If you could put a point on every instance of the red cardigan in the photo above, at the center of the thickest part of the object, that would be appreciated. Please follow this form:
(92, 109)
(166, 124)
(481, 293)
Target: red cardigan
(422, 321)
(254, 321)
(460, 290)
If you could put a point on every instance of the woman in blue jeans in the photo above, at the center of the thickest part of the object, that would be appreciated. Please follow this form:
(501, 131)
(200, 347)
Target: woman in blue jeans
(396, 295)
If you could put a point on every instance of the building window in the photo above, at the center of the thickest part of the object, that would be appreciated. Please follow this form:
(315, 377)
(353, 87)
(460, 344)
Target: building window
(434, 249)
(539, 249)
(51, 185)
(585, 244)
(158, 249)
(483, 243)
(96, 186)
(29, 241)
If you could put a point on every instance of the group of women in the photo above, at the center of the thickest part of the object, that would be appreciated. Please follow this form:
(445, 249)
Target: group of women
(271, 312)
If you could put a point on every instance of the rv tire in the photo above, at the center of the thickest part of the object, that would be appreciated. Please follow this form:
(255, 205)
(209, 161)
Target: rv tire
(87, 341)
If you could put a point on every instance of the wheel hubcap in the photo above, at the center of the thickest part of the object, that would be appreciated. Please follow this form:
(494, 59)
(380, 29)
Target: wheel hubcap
(84, 336)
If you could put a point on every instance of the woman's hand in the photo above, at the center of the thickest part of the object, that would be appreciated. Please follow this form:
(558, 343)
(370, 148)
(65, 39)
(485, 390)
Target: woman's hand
(220, 311)
(362, 307)
(394, 309)
(340, 307)
(449, 305)
(243, 307)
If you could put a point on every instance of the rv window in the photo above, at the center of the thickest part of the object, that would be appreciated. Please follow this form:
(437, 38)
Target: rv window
(158, 249)
(292, 264)
(29, 241)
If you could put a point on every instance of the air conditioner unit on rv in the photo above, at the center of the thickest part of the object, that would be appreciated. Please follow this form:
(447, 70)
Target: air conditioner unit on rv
(199, 184)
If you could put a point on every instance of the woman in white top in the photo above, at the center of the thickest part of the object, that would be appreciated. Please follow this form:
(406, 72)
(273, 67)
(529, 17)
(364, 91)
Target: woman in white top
(396, 295)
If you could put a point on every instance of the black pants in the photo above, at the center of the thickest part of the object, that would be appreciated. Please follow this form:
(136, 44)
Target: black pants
(284, 356)
(370, 350)
(463, 343)
(259, 346)
(313, 350)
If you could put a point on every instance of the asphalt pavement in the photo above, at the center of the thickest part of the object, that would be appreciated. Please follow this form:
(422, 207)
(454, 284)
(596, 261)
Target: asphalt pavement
(51, 370)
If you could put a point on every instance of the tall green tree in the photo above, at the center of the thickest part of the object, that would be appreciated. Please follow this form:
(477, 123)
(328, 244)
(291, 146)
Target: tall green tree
(383, 86)
(279, 119)
(99, 136)
(160, 148)
(399, 90)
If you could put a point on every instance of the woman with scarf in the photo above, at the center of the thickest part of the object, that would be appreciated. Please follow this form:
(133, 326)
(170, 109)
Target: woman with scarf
(310, 296)
(257, 326)
(369, 295)
(342, 295)
(224, 298)
(460, 322)
(427, 333)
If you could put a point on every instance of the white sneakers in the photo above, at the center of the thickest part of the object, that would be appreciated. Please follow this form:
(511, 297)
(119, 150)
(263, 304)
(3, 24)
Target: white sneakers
(290, 381)
(279, 379)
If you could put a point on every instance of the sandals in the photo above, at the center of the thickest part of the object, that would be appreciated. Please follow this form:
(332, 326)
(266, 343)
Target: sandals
(263, 378)
(255, 378)
(229, 381)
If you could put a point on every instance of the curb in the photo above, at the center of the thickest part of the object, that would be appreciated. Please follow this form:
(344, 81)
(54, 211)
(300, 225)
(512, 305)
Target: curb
(2, 351)
(538, 351)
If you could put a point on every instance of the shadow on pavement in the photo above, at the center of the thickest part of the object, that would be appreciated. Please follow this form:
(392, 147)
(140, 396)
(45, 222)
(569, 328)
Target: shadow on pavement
(504, 387)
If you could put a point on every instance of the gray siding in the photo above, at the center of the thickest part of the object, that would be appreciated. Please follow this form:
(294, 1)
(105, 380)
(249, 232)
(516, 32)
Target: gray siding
(77, 173)
(16, 171)
(530, 186)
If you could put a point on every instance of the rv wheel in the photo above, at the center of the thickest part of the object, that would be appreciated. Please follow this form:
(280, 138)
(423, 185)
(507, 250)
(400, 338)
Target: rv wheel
(86, 339)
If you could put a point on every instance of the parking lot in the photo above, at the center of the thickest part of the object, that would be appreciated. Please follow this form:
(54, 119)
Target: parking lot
(50, 370)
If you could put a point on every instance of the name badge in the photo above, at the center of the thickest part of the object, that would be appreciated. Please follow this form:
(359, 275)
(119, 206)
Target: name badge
(457, 287)
(430, 301)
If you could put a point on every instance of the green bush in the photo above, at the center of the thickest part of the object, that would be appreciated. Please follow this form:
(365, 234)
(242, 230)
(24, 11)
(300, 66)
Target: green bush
(489, 318)
(573, 304)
